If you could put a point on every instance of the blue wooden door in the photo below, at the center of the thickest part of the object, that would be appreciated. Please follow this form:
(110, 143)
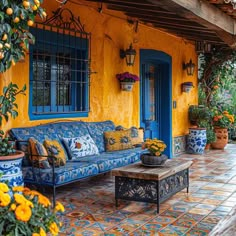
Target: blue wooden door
(150, 99)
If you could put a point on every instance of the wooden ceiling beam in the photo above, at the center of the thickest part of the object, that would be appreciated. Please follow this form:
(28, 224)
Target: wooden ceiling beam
(205, 14)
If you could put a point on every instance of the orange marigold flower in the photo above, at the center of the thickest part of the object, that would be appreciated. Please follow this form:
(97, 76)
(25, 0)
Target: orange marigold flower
(18, 188)
(54, 228)
(42, 232)
(13, 206)
(225, 112)
(44, 201)
(5, 199)
(215, 118)
(19, 198)
(4, 188)
(215, 87)
(59, 207)
(23, 213)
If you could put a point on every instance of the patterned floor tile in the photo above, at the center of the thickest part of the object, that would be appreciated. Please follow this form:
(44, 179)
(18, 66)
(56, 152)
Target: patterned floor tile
(173, 230)
(90, 205)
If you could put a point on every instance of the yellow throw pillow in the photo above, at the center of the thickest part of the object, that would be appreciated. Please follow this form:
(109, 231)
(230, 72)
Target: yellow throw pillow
(54, 148)
(137, 136)
(118, 140)
(38, 153)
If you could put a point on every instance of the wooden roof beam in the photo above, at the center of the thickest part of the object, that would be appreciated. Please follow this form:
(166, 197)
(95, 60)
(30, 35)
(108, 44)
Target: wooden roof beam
(205, 14)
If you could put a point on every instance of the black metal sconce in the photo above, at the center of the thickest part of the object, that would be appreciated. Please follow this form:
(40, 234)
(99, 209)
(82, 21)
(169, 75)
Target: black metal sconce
(189, 67)
(130, 54)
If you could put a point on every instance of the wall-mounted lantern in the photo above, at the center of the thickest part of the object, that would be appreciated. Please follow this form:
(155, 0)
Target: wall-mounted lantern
(189, 67)
(130, 54)
(186, 87)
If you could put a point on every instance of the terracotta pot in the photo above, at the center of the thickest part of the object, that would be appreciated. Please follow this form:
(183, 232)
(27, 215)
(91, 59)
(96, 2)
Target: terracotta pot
(10, 166)
(208, 146)
(221, 138)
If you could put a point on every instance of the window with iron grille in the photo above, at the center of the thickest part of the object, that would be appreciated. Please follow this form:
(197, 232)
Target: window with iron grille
(59, 73)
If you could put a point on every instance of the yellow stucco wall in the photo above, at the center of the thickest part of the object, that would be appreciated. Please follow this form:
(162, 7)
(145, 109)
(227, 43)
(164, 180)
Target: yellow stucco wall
(107, 101)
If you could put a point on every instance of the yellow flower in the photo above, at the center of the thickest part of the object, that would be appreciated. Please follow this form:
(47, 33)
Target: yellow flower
(5, 199)
(44, 201)
(23, 213)
(29, 203)
(13, 206)
(157, 154)
(59, 207)
(54, 228)
(42, 232)
(19, 198)
(4, 188)
(18, 188)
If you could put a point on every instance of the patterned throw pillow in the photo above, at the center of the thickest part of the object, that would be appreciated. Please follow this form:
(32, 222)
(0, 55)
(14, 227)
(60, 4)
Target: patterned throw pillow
(136, 136)
(38, 154)
(54, 148)
(80, 146)
(118, 140)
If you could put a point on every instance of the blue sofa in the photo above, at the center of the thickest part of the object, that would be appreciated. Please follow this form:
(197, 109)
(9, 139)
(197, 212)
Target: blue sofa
(73, 170)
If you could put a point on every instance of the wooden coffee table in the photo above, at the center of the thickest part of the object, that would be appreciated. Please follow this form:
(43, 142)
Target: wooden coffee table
(136, 182)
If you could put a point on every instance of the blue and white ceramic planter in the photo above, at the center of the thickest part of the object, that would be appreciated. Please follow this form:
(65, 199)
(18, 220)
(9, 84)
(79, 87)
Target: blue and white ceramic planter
(196, 140)
(10, 167)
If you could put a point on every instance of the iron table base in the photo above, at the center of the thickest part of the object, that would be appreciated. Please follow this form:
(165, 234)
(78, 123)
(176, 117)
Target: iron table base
(153, 191)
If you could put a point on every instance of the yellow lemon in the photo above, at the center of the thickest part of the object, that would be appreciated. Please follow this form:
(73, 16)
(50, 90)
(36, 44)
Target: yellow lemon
(1, 55)
(44, 14)
(4, 37)
(37, 2)
(9, 11)
(26, 4)
(7, 45)
(30, 22)
(34, 7)
(1, 46)
(16, 20)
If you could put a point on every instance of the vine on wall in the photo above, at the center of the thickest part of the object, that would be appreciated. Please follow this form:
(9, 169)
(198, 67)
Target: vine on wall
(216, 68)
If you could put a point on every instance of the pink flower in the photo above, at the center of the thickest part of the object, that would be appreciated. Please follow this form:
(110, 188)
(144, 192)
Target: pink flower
(127, 77)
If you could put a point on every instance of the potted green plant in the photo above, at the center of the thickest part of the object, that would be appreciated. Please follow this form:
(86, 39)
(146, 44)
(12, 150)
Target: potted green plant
(211, 137)
(10, 159)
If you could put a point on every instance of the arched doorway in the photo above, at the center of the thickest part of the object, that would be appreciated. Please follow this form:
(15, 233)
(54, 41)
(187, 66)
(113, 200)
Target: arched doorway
(156, 96)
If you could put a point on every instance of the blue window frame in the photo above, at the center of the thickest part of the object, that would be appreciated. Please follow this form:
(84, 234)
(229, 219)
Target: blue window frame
(59, 75)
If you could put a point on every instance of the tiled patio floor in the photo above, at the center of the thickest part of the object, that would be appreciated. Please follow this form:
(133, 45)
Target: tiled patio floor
(90, 206)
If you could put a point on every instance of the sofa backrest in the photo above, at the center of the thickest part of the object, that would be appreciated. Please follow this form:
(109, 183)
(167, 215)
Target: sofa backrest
(96, 130)
(59, 130)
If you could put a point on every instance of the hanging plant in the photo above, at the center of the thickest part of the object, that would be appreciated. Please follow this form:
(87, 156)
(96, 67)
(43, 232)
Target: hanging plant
(16, 17)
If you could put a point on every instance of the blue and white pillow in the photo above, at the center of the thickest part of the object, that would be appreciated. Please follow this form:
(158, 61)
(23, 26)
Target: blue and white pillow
(80, 146)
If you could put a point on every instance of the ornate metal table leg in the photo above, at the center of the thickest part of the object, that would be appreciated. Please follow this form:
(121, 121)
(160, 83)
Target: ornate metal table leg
(117, 203)
(158, 196)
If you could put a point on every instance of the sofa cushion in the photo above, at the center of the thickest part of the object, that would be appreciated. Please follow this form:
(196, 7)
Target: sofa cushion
(38, 157)
(80, 146)
(70, 172)
(96, 131)
(118, 140)
(55, 149)
(136, 136)
(110, 160)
